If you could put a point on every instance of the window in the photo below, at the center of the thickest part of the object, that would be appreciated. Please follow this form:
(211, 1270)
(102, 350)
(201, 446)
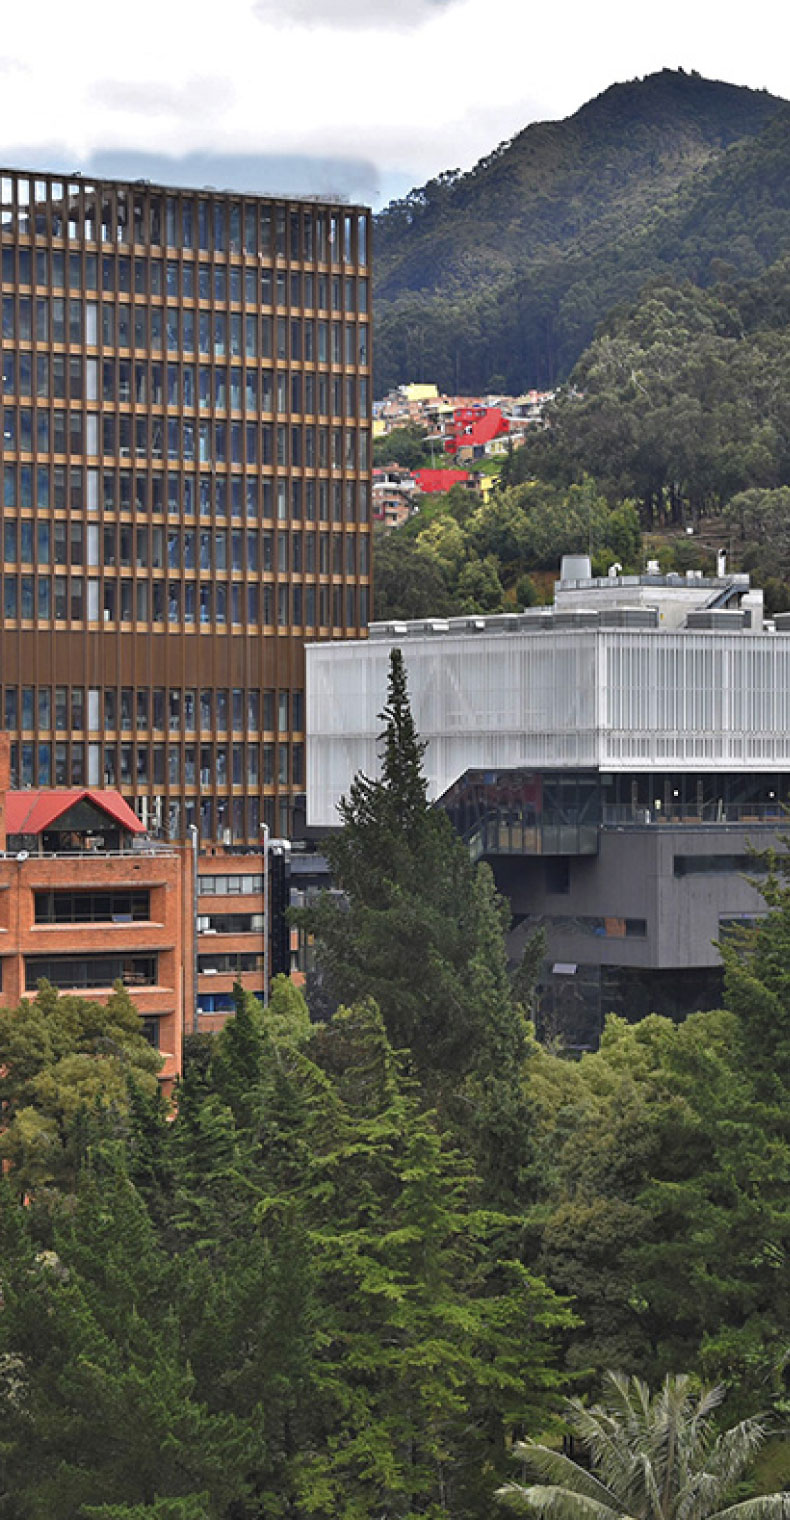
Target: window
(92, 907)
(91, 970)
(230, 886)
(228, 965)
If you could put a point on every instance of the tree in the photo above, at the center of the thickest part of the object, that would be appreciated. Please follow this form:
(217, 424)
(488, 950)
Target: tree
(406, 446)
(432, 1345)
(410, 583)
(420, 930)
(663, 1208)
(651, 1458)
(66, 1065)
(109, 1411)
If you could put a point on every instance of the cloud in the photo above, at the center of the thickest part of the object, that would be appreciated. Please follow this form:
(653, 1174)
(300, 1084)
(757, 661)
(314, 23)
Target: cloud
(362, 15)
(195, 95)
(355, 179)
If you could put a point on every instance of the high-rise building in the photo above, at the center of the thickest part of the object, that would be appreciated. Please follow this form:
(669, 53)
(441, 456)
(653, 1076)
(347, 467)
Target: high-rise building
(186, 478)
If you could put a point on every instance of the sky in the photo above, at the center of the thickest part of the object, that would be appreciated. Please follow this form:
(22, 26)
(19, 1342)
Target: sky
(362, 98)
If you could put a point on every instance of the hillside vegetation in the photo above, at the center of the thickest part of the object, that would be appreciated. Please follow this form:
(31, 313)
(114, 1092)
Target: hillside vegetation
(676, 416)
(503, 273)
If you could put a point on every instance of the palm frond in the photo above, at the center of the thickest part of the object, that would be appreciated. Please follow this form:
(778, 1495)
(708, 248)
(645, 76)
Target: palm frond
(563, 1471)
(765, 1507)
(703, 1491)
(652, 1458)
(556, 1503)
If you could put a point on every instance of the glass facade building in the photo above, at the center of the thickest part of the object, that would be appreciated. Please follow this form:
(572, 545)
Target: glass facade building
(186, 483)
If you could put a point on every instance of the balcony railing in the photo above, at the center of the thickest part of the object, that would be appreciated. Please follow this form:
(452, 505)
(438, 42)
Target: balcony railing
(625, 815)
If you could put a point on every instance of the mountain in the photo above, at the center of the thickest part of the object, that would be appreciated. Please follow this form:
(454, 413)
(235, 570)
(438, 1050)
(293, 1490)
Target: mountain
(504, 272)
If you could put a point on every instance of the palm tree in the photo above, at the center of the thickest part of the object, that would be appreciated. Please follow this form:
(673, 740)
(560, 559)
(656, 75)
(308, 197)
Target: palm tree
(653, 1457)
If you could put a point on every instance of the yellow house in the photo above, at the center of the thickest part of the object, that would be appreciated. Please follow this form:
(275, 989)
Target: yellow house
(484, 484)
(419, 392)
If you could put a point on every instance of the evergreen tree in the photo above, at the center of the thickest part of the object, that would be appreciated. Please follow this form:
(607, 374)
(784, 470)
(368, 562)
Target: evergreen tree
(420, 930)
(109, 1410)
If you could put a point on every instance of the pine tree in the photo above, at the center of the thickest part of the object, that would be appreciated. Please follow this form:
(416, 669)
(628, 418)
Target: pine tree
(420, 931)
(424, 1355)
(110, 1411)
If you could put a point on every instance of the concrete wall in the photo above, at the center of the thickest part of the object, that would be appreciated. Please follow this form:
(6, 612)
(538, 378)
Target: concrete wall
(633, 877)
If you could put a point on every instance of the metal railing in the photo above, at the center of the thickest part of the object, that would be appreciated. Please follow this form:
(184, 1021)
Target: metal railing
(147, 851)
(623, 815)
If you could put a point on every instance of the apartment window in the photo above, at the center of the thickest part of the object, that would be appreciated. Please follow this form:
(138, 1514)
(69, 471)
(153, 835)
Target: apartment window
(65, 971)
(229, 964)
(57, 907)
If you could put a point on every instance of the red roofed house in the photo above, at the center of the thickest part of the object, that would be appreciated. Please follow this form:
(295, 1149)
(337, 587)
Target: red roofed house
(472, 428)
(441, 480)
(87, 900)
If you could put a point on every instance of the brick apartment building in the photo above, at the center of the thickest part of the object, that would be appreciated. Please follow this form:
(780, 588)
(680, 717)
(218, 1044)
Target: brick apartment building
(86, 899)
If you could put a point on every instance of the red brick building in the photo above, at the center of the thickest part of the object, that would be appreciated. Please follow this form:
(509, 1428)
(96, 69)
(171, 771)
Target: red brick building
(87, 900)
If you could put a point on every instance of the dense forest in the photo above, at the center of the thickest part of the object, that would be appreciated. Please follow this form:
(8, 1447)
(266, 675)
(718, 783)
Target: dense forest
(370, 1249)
(497, 278)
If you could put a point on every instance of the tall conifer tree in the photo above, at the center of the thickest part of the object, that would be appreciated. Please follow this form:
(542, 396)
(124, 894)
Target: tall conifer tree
(420, 930)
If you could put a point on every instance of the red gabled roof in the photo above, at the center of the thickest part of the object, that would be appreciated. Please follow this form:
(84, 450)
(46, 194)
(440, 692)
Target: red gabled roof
(32, 812)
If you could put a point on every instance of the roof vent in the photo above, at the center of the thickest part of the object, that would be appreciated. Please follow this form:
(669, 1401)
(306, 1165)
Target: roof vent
(575, 567)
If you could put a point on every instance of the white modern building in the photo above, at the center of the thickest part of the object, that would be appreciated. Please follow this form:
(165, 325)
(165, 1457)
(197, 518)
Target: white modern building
(614, 757)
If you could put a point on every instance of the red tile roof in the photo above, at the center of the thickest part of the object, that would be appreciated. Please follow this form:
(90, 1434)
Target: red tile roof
(33, 812)
(440, 480)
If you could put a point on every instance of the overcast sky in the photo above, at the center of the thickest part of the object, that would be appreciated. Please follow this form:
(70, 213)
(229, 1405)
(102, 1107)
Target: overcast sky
(364, 97)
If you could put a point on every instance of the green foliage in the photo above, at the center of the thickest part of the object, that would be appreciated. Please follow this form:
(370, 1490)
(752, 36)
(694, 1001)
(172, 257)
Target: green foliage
(321, 1325)
(664, 1212)
(420, 930)
(679, 404)
(65, 1070)
(653, 1457)
(406, 446)
(287, 1016)
(408, 583)
(462, 557)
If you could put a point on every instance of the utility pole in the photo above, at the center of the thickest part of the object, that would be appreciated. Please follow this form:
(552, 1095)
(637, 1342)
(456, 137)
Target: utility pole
(265, 833)
(193, 833)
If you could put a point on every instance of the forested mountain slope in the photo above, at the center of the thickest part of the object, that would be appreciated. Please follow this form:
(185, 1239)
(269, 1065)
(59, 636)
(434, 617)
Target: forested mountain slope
(503, 273)
(679, 403)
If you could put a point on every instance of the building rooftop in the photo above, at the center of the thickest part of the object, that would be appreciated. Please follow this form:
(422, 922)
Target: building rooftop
(78, 176)
(33, 812)
(649, 672)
